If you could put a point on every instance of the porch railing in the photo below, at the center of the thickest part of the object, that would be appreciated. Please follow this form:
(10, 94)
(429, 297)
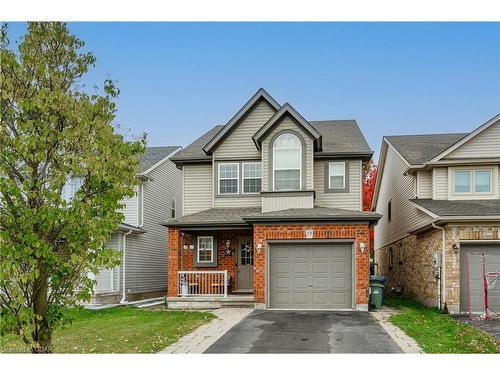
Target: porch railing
(203, 283)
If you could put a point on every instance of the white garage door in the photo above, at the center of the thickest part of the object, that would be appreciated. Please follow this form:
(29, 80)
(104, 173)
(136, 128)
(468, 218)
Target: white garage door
(311, 276)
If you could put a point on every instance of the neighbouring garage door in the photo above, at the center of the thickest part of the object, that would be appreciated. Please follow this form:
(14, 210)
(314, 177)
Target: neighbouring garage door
(310, 276)
(492, 252)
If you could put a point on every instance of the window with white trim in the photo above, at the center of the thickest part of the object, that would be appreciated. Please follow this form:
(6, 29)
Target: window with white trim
(205, 249)
(228, 178)
(252, 177)
(472, 181)
(336, 175)
(287, 162)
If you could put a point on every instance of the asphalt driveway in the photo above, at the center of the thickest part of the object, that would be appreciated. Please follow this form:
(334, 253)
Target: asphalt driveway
(267, 331)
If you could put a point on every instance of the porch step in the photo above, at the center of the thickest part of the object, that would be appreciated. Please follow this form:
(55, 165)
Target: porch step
(207, 302)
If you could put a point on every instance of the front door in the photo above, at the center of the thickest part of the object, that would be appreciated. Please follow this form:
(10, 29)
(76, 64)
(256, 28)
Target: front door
(245, 265)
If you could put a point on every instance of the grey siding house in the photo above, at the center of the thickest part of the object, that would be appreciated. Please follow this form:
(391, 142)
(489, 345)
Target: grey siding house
(141, 238)
(439, 196)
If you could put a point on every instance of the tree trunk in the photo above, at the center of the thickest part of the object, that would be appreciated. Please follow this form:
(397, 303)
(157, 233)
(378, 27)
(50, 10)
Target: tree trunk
(42, 336)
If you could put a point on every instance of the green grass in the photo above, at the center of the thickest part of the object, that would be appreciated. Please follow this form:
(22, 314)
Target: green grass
(117, 330)
(437, 332)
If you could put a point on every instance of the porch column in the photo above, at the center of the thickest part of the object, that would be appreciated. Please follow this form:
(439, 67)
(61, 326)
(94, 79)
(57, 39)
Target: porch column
(174, 252)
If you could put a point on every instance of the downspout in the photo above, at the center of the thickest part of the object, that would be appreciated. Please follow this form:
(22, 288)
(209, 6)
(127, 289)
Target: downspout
(124, 291)
(442, 276)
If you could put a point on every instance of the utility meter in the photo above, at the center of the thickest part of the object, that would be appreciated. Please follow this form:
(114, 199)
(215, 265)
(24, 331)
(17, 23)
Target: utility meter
(436, 260)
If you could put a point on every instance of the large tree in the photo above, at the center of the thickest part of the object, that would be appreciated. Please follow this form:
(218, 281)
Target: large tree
(52, 130)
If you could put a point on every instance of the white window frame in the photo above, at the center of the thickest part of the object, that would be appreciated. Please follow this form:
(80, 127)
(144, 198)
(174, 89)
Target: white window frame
(243, 178)
(473, 194)
(198, 249)
(287, 169)
(330, 174)
(225, 178)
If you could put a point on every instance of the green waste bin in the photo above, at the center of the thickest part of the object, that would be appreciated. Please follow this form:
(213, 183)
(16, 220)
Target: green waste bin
(377, 291)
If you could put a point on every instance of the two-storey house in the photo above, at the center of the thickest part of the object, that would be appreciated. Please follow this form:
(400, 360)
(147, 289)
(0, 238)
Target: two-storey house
(439, 196)
(141, 238)
(272, 213)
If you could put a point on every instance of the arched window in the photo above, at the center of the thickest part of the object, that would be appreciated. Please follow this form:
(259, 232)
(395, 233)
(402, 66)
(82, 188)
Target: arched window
(287, 162)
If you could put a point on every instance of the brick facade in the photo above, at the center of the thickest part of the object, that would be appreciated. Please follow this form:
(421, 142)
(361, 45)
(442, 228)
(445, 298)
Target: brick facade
(415, 273)
(261, 233)
(357, 232)
(224, 262)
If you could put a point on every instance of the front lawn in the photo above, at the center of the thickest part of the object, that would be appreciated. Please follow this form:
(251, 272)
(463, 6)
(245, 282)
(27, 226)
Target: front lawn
(117, 330)
(436, 332)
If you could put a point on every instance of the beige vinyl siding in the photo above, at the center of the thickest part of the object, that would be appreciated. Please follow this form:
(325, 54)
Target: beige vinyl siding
(276, 203)
(288, 123)
(484, 145)
(350, 200)
(146, 253)
(239, 142)
(424, 182)
(197, 185)
(397, 188)
(240, 201)
(440, 183)
(131, 210)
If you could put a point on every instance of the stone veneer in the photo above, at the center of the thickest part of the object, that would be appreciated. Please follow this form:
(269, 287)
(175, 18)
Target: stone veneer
(415, 273)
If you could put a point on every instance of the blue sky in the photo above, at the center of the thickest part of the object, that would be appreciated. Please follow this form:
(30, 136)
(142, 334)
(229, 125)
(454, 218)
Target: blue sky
(177, 80)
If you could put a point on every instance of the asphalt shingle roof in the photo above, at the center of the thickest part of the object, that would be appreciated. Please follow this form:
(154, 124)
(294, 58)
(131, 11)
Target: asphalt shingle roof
(215, 216)
(315, 213)
(338, 136)
(490, 207)
(195, 150)
(341, 136)
(153, 155)
(419, 149)
(245, 215)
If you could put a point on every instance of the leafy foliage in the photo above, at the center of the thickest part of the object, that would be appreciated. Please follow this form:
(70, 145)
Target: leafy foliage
(369, 178)
(50, 131)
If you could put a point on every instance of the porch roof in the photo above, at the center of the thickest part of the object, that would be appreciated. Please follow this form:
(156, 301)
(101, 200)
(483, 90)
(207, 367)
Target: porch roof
(214, 217)
(245, 216)
(483, 207)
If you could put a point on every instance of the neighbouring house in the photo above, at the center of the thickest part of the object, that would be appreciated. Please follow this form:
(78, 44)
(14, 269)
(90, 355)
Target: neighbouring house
(439, 196)
(141, 238)
(272, 214)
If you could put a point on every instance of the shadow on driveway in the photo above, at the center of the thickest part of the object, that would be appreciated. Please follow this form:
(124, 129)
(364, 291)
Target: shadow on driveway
(267, 331)
(491, 327)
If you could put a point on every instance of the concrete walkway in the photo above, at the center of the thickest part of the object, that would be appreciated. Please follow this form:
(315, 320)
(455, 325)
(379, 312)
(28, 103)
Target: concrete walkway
(406, 343)
(203, 337)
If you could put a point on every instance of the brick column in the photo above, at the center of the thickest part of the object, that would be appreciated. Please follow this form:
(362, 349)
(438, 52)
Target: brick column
(174, 250)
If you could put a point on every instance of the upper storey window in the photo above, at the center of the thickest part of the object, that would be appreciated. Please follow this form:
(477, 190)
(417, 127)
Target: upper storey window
(287, 162)
(228, 178)
(472, 181)
(252, 177)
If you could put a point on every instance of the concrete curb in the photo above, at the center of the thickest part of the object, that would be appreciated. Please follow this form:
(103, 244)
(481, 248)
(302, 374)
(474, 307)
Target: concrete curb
(405, 342)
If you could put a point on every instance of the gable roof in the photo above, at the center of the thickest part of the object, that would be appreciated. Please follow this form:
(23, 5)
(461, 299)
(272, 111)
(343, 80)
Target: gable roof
(194, 152)
(261, 94)
(467, 138)
(154, 155)
(275, 119)
(420, 149)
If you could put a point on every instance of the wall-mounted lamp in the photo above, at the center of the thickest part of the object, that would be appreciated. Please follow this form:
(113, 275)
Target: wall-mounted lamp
(259, 247)
(191, 247)
(185, 247)
(362, 247)
(455, 248)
